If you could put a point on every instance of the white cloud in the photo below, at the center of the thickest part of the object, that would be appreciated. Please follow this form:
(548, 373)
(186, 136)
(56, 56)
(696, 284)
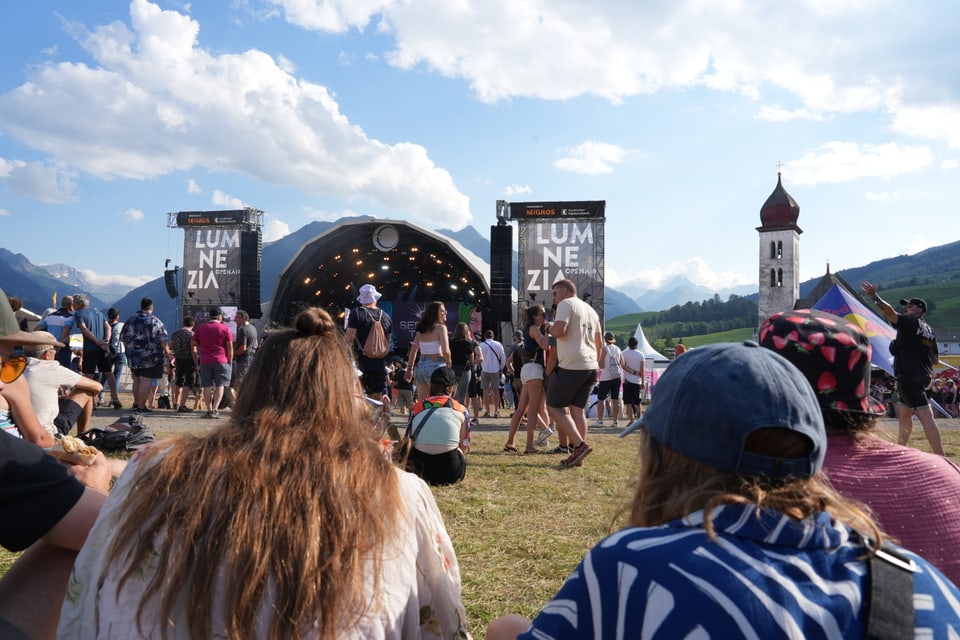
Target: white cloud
(133, 214)
(696, 270)
(38, 181)
(591, 158)
(515, 189)
(916, 244)
(837, 162)
(193, 187)
(226, 200)
(801, 50)
(777, 113)
(95, 278)
(155, 101)
(274, 230)
(4, 212)
(929, 122)
(949, 165)
(878, 196)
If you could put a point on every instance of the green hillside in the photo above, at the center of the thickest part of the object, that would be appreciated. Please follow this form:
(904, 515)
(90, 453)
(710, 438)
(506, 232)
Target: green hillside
(663, 330)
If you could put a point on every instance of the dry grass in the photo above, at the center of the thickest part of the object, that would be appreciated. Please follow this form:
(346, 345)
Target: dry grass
(520, 523)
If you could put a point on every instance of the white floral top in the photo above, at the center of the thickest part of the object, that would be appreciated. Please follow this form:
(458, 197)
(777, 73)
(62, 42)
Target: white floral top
(419, 586)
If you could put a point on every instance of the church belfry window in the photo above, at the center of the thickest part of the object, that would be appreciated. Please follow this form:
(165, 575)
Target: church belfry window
(779, 249)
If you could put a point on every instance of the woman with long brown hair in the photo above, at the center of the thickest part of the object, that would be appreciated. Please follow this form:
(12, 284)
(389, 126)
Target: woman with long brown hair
(532, 402)
(464, 353)
(287, 522)
(432, 343)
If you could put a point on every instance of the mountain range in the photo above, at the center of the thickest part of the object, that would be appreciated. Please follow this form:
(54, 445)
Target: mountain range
(36, 284)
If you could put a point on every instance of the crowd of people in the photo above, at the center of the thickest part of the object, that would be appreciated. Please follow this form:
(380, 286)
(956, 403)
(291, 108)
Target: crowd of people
(774, 511)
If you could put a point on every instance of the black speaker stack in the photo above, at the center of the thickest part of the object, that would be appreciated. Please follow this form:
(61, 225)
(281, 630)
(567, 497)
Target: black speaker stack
(251, 250)
(501, 271)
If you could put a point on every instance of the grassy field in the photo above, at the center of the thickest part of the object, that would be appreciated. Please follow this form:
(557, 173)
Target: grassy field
(520, 523)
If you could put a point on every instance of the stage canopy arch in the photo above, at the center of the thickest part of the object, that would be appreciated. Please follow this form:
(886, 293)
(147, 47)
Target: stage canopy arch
(409, 265)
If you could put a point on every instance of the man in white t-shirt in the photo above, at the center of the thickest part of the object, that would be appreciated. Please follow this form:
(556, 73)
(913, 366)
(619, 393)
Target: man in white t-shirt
(576, 327)
(633, 364)
(494, 360)
(45, 376)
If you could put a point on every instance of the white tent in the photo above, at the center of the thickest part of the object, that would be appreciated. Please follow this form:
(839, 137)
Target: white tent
(649, 353)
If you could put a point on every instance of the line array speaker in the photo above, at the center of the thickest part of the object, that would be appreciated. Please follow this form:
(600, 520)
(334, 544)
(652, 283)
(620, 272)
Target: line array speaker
(170, 281)
(251, 250)
(501, 263)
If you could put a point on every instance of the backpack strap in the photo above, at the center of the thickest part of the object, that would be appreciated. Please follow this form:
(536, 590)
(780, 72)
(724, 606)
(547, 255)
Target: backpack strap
(890, 604)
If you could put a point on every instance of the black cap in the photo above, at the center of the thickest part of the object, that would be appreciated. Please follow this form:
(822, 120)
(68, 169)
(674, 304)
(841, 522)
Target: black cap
(215, 311)
(443, 376)
(920, 302)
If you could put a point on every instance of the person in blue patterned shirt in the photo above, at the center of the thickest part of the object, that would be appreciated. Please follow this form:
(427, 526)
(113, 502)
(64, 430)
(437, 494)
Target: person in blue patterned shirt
(145, 341)
(734, 532)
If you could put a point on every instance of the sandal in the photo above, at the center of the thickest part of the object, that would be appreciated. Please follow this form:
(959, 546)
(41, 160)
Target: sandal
(510, 449)
(530, 453)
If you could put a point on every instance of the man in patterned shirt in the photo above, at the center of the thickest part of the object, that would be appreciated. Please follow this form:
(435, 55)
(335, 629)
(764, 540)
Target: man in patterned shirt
(145, 340)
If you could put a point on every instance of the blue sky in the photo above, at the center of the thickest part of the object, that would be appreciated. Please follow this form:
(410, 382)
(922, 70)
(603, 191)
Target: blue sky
(676, 113)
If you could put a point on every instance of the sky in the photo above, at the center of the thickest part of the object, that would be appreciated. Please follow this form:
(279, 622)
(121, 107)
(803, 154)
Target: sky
(678, 114)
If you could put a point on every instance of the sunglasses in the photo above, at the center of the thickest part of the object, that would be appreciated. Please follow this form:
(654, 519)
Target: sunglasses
(13, 367)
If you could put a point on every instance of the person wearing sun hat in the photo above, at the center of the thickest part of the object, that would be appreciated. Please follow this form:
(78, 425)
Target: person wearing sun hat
(914, 495)
(733, 531)
(359, 323)
(17, 415)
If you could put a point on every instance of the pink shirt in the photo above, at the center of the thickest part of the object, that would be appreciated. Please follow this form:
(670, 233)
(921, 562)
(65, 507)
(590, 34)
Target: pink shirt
(914, 495)
(212, 339)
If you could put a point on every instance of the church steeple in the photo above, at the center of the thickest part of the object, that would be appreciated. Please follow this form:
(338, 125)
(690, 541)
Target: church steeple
(780, 211)
(779, 253)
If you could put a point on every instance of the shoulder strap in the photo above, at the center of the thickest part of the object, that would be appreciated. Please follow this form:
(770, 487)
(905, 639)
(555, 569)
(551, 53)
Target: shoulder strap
(890, 604)
(426, 416)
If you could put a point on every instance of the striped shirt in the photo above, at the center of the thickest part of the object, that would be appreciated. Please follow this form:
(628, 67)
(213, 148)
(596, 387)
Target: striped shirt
(764, 576)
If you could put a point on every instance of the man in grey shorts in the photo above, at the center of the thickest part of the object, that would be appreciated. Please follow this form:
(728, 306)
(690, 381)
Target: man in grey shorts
(213, 350)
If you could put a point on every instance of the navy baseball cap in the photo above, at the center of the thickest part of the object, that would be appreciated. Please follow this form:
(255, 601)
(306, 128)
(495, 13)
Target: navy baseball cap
(708, 402)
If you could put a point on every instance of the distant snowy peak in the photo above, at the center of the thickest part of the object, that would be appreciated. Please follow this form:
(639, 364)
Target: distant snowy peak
(104, 287)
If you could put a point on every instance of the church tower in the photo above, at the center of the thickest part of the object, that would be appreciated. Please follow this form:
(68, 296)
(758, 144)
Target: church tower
(779, 253)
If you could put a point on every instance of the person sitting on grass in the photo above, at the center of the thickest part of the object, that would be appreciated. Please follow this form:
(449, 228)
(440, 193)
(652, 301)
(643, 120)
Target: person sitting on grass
(287, 521)
(440, 434)
(45, 376)
(734, 532)
(912, 493)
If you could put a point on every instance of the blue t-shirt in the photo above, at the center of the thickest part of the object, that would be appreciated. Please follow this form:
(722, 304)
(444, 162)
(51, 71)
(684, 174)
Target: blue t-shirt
(93, 320)
(766, 576)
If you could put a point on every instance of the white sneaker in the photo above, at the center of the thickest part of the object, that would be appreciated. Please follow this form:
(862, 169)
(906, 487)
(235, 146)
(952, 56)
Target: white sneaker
(598, 423)
(543, 437)
(616, 423)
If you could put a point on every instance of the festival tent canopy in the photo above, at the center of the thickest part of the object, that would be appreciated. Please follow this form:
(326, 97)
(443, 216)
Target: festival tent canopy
(649, 353)
(840, 302)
